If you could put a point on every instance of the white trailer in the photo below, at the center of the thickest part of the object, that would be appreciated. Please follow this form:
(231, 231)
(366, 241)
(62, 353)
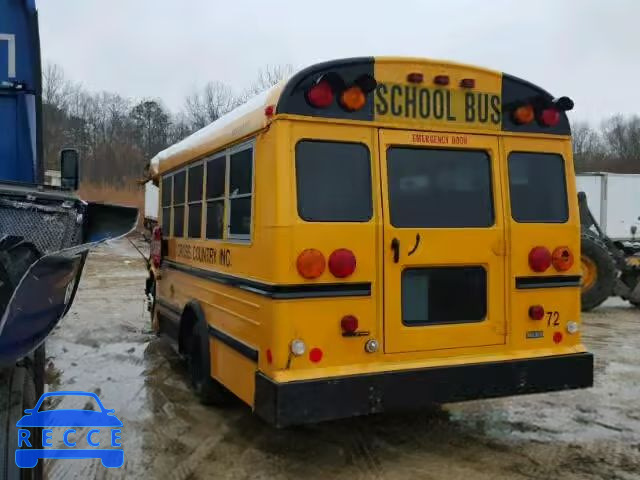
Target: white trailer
(614, 201)
(151, 204)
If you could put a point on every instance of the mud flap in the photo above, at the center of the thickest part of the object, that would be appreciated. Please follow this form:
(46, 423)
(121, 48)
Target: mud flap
(46, 291)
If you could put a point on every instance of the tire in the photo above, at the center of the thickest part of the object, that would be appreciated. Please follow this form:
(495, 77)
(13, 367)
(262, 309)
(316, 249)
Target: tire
(599, 280)
(631, 279)
(17, 392)
(208, 390)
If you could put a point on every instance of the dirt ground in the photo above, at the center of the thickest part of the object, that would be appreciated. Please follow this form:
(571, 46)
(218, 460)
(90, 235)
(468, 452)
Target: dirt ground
(105, 345)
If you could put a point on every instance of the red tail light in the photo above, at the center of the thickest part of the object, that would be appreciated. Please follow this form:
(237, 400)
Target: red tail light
(342, 263)
(320, 95)
(549, 117)
(557, 337)
(539, 259)
(562, 259)
(349, 324)
(536, 312)
(156, 247)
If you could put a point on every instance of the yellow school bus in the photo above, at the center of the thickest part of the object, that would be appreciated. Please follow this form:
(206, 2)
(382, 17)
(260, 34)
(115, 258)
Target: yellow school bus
(374, 234)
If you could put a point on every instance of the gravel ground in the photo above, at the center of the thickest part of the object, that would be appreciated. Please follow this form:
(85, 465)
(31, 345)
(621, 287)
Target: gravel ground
(105, 345)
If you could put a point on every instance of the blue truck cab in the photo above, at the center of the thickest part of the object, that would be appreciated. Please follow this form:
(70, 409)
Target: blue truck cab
(20, 91)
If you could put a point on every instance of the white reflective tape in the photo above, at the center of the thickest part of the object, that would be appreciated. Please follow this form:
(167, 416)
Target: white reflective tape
(11, 43)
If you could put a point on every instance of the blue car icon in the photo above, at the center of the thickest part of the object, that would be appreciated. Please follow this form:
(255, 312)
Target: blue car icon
(75, 422)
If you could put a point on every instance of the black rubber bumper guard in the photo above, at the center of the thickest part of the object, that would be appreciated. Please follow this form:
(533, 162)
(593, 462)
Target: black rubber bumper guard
(311, 401)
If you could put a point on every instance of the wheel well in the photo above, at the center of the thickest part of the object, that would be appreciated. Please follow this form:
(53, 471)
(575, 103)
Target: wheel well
(191, 314)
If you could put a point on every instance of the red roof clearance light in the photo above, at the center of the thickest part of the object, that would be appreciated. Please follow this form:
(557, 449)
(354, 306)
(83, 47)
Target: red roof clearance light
(320, 95)
(342, 263)
(539, 259)
(415, 77)
(550, 117)
(442, 80)
(468, 83)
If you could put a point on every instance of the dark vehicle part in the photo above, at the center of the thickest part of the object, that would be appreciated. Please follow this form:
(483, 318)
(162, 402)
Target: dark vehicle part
(608, 267)
(16, 256)
(598, 270)
(46, 243)
(18, 391)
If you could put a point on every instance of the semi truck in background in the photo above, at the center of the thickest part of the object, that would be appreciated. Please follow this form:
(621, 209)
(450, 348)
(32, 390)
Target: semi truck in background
(45, 231)
(610, 218)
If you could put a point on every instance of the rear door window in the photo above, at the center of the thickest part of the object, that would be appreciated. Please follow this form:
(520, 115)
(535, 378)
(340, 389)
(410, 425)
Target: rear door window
(538, 187)
(333, 181)
(435, 188)
(432, 295)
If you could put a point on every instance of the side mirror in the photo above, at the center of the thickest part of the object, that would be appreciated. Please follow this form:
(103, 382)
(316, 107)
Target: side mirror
(69, 168)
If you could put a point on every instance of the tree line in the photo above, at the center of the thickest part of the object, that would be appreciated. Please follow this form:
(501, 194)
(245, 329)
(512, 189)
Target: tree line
(612, 147)
(117, 136)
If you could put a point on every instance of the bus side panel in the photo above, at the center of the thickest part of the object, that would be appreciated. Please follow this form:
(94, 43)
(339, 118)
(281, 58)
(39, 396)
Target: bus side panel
(233, 370)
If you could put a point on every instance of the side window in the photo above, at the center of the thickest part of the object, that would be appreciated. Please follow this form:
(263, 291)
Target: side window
(538, 187)
(194, 223)
(216, 180)
(179, 184)
(167, 194)
(240, 193)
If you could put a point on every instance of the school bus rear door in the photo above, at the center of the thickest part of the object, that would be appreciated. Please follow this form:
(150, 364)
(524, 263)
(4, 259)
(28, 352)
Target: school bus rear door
(444, 241)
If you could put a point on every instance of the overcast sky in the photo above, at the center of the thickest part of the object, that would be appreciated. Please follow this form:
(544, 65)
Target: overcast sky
(588, 50)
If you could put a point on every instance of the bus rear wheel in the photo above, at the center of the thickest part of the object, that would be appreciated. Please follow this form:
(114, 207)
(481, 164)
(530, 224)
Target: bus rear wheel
(598, 271)
(208, 390)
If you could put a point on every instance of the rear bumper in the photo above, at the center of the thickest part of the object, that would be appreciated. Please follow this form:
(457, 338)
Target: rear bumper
(310, 401)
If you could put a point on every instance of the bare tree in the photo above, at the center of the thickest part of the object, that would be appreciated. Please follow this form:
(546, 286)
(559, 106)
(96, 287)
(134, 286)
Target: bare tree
(55, 86)
(622, 141)
(151, 122)
(208, 104)
(268, 76)
(588, 148)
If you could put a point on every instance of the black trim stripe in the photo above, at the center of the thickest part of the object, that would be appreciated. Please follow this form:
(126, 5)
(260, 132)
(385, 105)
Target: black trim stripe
(555, 281)
(242, 348)
(278, 292)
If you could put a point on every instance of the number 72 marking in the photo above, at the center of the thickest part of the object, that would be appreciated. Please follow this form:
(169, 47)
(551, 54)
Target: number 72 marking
(11, 45)
(553, 318)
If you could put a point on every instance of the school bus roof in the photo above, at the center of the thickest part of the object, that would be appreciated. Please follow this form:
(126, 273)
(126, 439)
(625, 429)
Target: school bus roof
(412, 93)
(243, 120)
